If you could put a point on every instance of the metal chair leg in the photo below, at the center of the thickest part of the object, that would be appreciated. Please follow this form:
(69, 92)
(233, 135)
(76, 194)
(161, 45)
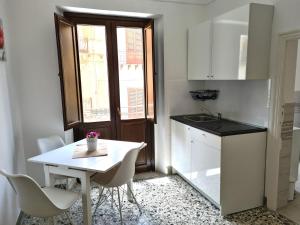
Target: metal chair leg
(138, 205)
(20, 218)
(45, 221)
(51, 221)
(112, 197)
(129, 197)
(120, 206)
(98, 203)
(67, 184)
(68, 218)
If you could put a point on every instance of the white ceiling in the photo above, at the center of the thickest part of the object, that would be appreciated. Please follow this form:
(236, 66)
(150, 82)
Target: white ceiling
(195, 2)
(130, 14)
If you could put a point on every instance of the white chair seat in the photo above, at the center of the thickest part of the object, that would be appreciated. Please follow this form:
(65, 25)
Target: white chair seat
(40, 202)
(61, 199)
(103, 179)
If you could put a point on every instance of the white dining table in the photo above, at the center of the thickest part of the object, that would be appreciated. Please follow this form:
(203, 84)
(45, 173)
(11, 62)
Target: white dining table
(60, 161)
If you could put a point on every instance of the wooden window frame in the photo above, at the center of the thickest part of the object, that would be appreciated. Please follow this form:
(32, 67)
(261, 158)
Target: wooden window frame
(64, 90)
(112, 22)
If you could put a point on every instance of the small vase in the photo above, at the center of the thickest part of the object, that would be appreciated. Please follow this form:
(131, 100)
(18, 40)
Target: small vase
(91, 144)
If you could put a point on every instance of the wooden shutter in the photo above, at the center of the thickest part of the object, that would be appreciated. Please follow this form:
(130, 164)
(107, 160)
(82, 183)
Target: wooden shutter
(68, 71)
(150, 72)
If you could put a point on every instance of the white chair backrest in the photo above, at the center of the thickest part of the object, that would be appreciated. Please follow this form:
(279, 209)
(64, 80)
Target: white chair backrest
(50, 143)
(126, 170)
(31, 197)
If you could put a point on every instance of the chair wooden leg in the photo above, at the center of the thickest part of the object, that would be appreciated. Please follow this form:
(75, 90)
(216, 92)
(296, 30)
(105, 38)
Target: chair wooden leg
(120, 206)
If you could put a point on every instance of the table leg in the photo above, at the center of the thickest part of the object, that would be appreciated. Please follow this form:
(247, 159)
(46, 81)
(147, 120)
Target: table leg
(49, 179)
(86, 199)
(129, 196)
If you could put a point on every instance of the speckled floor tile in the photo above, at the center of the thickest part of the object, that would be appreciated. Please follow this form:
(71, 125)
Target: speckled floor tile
(167, 201)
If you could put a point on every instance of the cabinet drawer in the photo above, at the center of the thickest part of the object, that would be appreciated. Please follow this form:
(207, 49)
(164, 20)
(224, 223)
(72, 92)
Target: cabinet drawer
(205, 137)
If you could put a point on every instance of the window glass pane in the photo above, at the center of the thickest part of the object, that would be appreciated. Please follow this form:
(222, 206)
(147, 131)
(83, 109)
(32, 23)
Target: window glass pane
(94, 73)
(131, 72)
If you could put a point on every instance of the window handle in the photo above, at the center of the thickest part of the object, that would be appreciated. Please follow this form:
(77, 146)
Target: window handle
(118, 111)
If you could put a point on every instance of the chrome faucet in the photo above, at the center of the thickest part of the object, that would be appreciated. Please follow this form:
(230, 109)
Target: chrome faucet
(219, 115)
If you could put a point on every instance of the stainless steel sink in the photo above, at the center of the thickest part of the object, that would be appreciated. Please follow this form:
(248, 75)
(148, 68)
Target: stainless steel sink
(200, 118)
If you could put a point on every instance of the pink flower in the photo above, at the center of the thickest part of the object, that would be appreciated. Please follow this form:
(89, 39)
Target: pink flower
(92, 134)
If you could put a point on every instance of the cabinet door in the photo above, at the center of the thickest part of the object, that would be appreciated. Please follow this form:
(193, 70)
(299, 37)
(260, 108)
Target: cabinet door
(199, 52)
(206, 161)
(181, 148)
(230, 43)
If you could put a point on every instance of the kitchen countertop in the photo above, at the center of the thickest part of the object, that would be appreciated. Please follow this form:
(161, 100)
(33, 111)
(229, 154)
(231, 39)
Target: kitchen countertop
(221, 127)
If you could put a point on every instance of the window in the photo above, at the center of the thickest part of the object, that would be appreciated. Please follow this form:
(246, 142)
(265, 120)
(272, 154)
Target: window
(131, 72)
(93, 73)
(107, 71)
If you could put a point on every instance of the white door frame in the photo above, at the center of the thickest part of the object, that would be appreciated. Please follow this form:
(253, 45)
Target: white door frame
(276, 198)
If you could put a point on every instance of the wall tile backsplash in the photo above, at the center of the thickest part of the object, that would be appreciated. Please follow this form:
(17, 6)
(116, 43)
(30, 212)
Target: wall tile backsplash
(245, 101)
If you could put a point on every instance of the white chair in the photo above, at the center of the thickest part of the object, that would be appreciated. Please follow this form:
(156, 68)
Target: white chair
(48, 144)
(117, 177)
(40, 202)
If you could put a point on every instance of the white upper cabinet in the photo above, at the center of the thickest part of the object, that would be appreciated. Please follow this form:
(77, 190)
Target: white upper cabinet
(239, 44)
(199, 51)
(230, 38)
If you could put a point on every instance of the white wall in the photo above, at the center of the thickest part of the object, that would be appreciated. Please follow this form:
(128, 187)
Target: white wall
(286, 19)
(297, 80)
(244, 101)
(11, 154)
(221, 6)
(36, 68)
(297, 90)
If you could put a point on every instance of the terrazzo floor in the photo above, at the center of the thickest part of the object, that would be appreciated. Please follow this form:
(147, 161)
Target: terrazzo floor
(166, 200)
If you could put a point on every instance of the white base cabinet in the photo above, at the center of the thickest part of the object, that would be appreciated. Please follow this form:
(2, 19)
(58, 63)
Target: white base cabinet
(205, 163)
(229, 170)
(181, 149)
